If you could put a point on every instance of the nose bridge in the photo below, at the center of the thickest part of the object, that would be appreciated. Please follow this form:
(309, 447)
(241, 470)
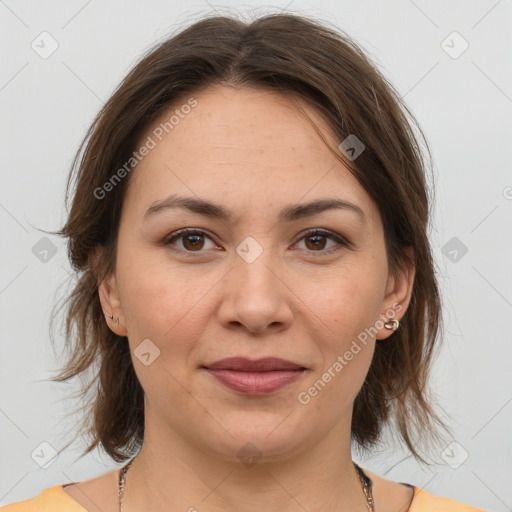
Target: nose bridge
(255, 262)
(254, 295)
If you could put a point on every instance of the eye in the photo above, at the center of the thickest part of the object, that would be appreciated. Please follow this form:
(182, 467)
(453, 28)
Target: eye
(192, 239)
(315, 240)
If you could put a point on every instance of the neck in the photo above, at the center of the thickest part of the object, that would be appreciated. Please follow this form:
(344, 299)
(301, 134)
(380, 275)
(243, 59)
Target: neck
(177, 477)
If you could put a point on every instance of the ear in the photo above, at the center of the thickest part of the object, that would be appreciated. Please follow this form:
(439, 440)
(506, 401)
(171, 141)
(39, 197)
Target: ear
(398, 294)
(109, 295)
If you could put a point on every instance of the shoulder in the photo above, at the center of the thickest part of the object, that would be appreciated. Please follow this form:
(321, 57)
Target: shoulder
(423, 501)
(51, 499)
(397, 496)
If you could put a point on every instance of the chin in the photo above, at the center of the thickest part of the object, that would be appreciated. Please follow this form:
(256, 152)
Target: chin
(255, 436)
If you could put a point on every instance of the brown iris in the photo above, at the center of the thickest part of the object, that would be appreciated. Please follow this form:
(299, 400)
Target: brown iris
(316, 245)
(195, 241)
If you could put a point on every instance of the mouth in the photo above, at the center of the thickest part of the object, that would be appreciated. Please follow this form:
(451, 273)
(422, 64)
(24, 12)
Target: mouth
(255, 377)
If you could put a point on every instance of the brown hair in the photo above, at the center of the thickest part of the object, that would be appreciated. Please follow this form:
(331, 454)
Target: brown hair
(295, 56)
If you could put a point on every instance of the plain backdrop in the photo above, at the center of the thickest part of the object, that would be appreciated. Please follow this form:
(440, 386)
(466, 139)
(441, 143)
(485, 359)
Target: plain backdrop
(448, 59)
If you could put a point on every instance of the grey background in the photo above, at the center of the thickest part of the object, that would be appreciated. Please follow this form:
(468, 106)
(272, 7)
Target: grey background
(463, 104)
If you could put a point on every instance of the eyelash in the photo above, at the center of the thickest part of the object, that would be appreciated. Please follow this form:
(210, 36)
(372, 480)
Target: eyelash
(308, 234)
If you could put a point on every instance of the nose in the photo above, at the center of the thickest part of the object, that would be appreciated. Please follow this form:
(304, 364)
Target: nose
(256, 297)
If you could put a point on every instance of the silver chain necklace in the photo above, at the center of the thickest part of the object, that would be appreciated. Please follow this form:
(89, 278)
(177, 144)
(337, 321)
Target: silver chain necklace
(366, 484)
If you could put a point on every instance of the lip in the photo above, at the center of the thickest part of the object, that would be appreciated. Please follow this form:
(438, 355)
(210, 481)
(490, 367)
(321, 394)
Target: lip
(243, 364)
(255, 377)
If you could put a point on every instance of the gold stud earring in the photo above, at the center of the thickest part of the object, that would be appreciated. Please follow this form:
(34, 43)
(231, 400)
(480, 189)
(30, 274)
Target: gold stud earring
(392, 324)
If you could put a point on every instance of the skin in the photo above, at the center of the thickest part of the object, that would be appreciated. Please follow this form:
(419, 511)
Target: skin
(252, 152)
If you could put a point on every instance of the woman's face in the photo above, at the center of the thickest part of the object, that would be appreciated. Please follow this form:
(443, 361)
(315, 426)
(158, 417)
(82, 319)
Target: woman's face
(250, 283)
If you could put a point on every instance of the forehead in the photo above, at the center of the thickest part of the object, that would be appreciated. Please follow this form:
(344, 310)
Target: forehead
(249, 148)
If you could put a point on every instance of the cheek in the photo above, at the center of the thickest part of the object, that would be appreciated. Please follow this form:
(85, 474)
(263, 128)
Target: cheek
(341, 309)
(345, 310)
(346, 302)
(161, 301)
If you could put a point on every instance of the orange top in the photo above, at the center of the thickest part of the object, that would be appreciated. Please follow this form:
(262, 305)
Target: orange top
(54, 499)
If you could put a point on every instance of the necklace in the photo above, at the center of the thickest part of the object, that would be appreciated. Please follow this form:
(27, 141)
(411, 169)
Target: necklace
(366, 484)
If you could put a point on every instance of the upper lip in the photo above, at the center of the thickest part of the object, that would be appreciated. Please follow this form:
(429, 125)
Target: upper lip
(242, 364)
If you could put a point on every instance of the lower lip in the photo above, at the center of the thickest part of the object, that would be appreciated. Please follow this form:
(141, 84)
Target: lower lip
(256, 383)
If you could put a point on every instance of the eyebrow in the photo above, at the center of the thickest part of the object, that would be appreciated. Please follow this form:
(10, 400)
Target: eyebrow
(288, 214)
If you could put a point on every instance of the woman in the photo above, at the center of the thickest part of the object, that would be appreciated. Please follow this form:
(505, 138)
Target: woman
(255, 279)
